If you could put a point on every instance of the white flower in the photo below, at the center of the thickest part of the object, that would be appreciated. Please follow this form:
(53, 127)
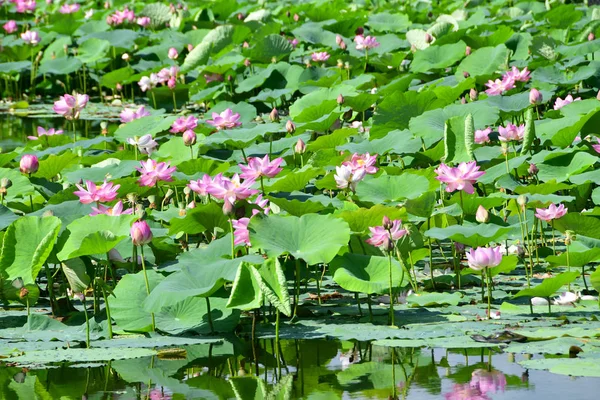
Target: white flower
(145, 144)
(566, 298)
(539, 301)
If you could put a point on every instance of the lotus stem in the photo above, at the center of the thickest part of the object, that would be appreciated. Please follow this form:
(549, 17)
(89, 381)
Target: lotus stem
(147, 283)
(391, 314)
(277, 353)
(262, 186)
(174, 101)
(553, 238)
(208, 313)
(357, 298)
(232, 239)
(569, 266)
(109, 320)
(87, 322)
(297, 295)
(370, 308)
(489, 285)
(153, 99)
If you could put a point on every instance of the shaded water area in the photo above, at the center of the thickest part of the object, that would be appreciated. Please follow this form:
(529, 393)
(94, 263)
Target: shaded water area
(310, 369)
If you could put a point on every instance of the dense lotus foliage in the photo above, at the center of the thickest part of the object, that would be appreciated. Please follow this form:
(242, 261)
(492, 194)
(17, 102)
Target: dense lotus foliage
(340, 168)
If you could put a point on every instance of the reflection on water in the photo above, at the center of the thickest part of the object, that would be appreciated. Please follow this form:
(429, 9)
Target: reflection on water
(310, 369)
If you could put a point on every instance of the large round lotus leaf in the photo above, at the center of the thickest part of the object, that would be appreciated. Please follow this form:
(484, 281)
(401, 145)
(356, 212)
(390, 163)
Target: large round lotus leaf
(366, 274)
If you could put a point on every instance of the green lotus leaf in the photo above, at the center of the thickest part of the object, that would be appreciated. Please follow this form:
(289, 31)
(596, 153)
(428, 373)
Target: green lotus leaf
(366, 274)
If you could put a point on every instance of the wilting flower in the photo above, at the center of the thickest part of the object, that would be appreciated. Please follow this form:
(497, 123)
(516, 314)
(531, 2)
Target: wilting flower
(241, 234)
(518, 76)
(69, 8)
(363, 161)
(459, 178)
(320, 56)
(70, 106)
(386, 235)
(145, 144)
(345, 177)
(260, 167)
(482, 135)
(31, 37)
(201, 185)
(43, 132)
(183, 124)
(149, 83)
(551, 213)
(153, 172)
(96, 194)
(189, 138)
(511, 133)
(129, 114)
(365, 43)
(560, 103)
(115, 210)
(29, 164)
(225, 120)
(144, 21)
(484, 257)
(232, 189)
(141, 233)
(10, 26)
(173, 54)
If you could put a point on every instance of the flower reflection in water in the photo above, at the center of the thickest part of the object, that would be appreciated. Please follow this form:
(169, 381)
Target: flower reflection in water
(483, 382)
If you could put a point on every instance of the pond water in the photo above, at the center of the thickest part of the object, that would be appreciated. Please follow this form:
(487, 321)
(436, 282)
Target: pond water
(310, 369)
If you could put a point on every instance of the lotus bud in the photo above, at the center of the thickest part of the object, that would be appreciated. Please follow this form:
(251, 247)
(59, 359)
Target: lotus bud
(23, 292)
(119, 87)
(125, 57)
(190, 47)
(598, 95)
(247, 63)
(428, 38)
(296, 17)
(535, 96)
(591, 36)
(29, 164)
(227, 207)
(522, 201)
(245, 45)
(343, 46)
(386, 223)
(300, 147)
(459, 247)
(274, 115)
(173, 54)
(141, 233)
(189, 137)
(463, 100)
(240, 16)
(340, 99)
(468, 51)
(482, 215)
(290, 127)
(347, 115)
(152, 201)
(473, 94)
(340, 63)
(533, 169)
(169, 194)
(360, 30)
(5, 183)
(191, 205)
(48, 213)
(466, 74)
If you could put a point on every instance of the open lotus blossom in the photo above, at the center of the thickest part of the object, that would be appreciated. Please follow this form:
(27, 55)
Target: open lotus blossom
(201, 186)
(500, 86)
(145, 144)
(596, 147)
(232, 189)
(459, 178)
(129, 114)
(560, 103)
(482, 135)
(120, 17)
(141, 233)
(96, 194)
(183, 124)
(10, 26)
(511, 133)
(551, 213)
(25, 5)
(143, 21)
(115, 210)
(69, 106)
(321, 56)
(262, 203)
(149, 82)
(168, 76)
(347, 178)
(241, 234)
(225, 120)
(365, 43)
(31, 37)
(565, 299)
(363, 161)
(518, 76)
(385, 236)
(484, 257)
(153, 172)
(69, 8)
(29, 164)
(43, 132)
(260, 167)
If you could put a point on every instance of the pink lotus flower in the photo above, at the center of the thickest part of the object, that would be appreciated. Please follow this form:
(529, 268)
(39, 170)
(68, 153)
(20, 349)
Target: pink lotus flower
(153, 172)
(365, 43)
(511, 133)
(260, 167)
(363, 161)
(141, 233)
(484, 257)
(201, 185)
(144, 21)
(43, 132)
(262, 203)
(183, 124)
(31, 37)
(459, 178)
(70, 106)
(551, 213)
(25, 5)
(596, 147)
(232, 189)
(560, 103)
(69, 8)
(213, 78)
(129, 114)
(347, 178)
(149, 83)
(482, 135)
(320, 56)
(488, 381)
(29, 164)
(225, 120)
(120, 17)
(96, 194)
(115, 210)
(145, 144)
(516, 75)
(386, 236)
(294, 42)
(168, 75)
(173, 54)
(241, 234)
(189, 138)
(10, 26)
(498, 86)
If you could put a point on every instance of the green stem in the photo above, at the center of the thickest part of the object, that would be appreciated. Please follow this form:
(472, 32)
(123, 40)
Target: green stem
(297, 295)
(489, 285)
(174, 101)
(553, 238)
(87, 323)
(262, 186)
(74, 132)
(109, 320)
(391, 316)
(147, 283)
(208, 312)
(569, 265)
(277, 342)
(153, 98)
(232, 239)
(462, 207)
